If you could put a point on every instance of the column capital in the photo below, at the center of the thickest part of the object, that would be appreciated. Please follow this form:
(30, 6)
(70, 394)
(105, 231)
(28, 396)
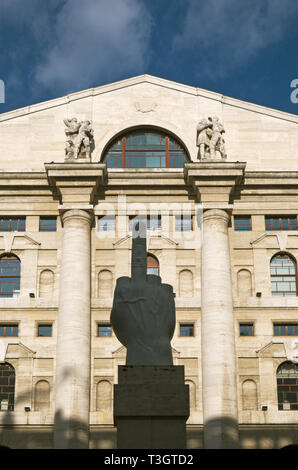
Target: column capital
(75, 184)
(76, 214)
(216, 214)
(215, 182)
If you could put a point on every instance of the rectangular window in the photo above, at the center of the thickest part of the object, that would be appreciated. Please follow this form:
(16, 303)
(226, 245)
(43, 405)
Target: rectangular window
(152, 222)
(9, 330)
(13, 224)
(47, 224)
(106, 223)
(187, 329)
(45, 330)
(104, 330)
(281, 222)
(242, 223)
(285, 329)
(246, 329)
(183, 223)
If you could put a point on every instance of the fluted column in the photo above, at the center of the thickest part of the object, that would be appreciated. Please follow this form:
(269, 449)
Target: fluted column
(218, 338)
(73, 340)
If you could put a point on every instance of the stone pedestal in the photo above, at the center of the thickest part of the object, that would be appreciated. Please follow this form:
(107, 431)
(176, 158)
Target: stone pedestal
(151, 406)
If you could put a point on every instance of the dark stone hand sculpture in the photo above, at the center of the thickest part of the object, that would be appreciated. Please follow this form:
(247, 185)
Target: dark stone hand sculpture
(143, 314)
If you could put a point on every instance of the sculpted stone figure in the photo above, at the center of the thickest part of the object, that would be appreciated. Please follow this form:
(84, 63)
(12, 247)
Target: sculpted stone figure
(143, 314)
(210, 138)
(292, 351)
(79, 139)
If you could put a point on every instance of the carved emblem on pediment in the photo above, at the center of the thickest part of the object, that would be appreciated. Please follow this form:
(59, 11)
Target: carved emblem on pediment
(145, 106)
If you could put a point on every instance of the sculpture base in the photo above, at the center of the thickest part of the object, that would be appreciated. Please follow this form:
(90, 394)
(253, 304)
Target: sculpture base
(151, 406)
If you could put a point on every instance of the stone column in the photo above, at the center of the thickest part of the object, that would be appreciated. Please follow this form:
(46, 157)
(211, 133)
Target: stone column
(73, 340)
(218, 338)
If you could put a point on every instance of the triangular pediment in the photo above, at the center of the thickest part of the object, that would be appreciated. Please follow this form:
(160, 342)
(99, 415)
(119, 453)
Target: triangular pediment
(18, 350)
(143, 103)
(17, 241)
(148, 101)
(280, 241)
(272, 349)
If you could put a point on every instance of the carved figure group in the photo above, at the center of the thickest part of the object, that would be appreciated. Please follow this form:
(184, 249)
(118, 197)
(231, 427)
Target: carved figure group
(210, 139)
(79, 139)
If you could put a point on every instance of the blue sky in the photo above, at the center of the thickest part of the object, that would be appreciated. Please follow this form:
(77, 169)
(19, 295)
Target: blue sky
(246, 49)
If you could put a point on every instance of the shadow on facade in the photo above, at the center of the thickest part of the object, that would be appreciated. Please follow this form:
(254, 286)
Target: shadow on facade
(29, 435)
(275, 436)
(221, 433)
(38, 436)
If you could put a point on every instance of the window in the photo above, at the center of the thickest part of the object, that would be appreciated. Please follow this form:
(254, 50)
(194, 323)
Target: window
(153, 222)
(246, 329)
(9, 330)
(13, 224)
(283, 275)
(145, 149)
(281, 223)
(183, 223)
(104, 330)
(7, 387)
(45, 330)
(10, 275)
(47, 224)
(242, 223)
(152, 265)
(287, 386)
(106, 223)
(285, 329)
(187, 329)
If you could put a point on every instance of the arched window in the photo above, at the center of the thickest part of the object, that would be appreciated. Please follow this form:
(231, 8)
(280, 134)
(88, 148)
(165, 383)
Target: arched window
(283, 274)
(10, 275)
(7, 387)
(287, 386)
(145, 148)
(152, 265)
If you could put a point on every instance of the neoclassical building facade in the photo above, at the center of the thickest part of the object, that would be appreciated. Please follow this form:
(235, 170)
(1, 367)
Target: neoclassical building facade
(216, 180)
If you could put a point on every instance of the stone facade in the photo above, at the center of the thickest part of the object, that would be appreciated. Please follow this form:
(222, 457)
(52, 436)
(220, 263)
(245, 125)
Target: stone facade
(221, 276)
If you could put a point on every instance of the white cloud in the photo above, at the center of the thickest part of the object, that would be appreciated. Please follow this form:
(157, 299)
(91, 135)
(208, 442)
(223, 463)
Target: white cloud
(225, 34)
(94, 41)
